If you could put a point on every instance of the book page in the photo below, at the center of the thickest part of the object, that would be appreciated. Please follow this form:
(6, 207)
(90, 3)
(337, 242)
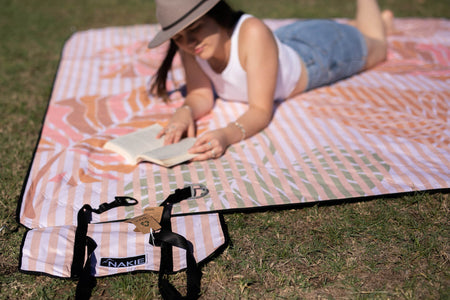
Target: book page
(135, 143)
(171, 154)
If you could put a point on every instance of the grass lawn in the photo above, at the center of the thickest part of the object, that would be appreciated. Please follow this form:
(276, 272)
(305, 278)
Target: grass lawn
(389, 247)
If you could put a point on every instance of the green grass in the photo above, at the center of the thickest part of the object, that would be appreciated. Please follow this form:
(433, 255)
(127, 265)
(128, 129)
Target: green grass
(385, 248)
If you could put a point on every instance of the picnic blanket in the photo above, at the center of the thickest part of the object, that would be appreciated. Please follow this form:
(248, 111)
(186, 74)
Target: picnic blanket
(384, 131)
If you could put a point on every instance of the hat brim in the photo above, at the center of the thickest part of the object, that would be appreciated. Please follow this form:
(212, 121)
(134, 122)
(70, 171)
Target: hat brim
(164, 35)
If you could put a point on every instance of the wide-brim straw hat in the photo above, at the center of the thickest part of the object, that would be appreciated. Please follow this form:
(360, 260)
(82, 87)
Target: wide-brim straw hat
(175, 15)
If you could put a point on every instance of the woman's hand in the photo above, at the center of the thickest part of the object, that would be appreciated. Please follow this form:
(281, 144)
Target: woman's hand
(212, 144)
(180, 123)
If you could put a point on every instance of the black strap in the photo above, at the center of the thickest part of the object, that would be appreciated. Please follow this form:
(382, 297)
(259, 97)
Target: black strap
(166, 239)
(87, 282)
(79, 251)
(193, 272)
(81, 265)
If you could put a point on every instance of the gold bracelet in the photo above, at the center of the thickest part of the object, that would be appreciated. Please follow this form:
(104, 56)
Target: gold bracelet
(244, 133)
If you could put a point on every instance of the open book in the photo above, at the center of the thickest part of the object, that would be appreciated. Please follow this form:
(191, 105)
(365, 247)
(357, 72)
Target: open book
(142, 145)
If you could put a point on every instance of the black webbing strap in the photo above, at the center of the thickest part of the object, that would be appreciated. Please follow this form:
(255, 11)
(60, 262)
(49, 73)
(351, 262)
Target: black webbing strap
(81, 265)
(79, 251)
(86, 282)
(193, 272)
(167, 239)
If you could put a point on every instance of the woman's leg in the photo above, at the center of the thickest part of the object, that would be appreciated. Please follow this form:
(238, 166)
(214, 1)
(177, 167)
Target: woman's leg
(371, 23)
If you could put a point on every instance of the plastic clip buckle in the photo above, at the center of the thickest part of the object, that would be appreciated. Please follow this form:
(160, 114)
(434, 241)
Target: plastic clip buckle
(125, 201)
(197, 187)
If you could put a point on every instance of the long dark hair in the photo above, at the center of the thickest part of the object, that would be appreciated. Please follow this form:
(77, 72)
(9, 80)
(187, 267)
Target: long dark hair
(223, 14)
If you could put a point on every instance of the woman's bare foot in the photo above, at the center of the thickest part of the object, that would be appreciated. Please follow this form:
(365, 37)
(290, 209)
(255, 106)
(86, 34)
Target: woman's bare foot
(388, 21)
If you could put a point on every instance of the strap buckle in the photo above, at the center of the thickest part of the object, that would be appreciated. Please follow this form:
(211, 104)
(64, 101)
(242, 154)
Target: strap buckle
(119, 201)
(197, 187)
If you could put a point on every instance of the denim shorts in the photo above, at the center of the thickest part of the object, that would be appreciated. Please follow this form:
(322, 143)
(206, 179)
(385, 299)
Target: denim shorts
(331, 51)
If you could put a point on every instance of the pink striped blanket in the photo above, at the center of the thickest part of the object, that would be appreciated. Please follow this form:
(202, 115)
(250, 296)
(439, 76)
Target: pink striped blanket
(384, 131)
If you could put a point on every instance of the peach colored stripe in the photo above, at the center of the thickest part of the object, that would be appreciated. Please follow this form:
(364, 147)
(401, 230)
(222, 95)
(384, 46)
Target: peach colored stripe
(31, 191)
(70, 214)
(201, 239)
(33, 248)
(179, 179)
(101, 44)
(40, 198)
(121, 40)
(150, 175)
(165, 182)
(69, 249)
(52, 249)
(140, 241)
(84, 89)
(137, 192)
(77, 78)
(66, 68)
(215, 231)
(104, 198)
(123, 249)
(131, 100)
(52, 217)
(119, 184)
(104, 232)
(156, 251)
(105, 85)
(207, 237)
(188, 223)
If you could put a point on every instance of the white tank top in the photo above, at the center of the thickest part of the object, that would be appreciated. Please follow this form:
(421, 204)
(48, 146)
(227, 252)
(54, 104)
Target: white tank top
(231, 84)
